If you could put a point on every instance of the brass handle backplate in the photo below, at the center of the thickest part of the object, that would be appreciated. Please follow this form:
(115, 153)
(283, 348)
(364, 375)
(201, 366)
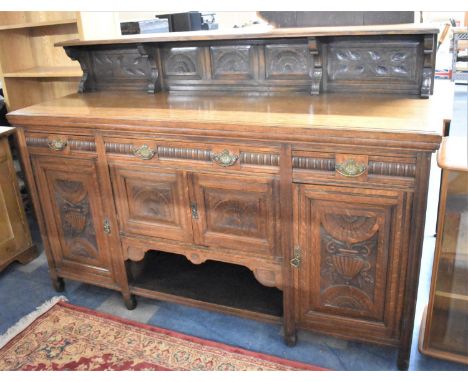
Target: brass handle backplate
(351, 168)
(143, 152)
(296, 260)
(57, 144)
(225, 158)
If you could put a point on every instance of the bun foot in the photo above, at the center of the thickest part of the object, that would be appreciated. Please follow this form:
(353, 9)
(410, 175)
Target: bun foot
(58, 284)
(403, 364)
(130, 302)
(290, 340)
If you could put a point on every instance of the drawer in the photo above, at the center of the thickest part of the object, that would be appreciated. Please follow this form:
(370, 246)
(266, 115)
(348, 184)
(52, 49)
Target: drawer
(217, 156)
(60, 144)
(351, 168)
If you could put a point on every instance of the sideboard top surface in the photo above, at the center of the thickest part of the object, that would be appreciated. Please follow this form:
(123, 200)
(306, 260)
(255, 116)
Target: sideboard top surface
(261, 33)
(354, 115)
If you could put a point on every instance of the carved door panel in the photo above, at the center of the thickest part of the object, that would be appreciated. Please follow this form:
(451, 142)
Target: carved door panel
(70, 195)
(349, 246)
(235, 212)
(152, 201)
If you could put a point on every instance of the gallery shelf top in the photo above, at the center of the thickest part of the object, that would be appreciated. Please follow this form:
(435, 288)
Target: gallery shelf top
(261, 32)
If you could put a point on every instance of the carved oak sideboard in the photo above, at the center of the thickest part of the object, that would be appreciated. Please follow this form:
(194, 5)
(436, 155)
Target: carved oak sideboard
(295, 208)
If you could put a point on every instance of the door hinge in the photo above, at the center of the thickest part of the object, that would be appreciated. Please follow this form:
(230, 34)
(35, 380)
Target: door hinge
(194, 209)
(296, 260)
(107, 227)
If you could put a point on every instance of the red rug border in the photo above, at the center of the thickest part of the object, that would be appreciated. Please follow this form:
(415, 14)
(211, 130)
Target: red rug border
(233, 349)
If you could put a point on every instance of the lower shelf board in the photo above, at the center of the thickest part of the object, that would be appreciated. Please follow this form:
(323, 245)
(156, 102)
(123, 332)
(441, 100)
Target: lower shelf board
(216, 285)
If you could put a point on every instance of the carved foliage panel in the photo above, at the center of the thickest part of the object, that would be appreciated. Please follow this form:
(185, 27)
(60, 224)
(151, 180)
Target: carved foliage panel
(120, 64)
(235, 213)
(71, 200)
(370, 61)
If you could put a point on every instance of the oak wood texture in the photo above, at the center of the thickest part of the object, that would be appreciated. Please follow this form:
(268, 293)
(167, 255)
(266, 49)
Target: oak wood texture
(15, 239)
(37, 24)
(297, 60)
(400, 120)
(264, 33)
(43, 71)
(320, 197)
(32, 70)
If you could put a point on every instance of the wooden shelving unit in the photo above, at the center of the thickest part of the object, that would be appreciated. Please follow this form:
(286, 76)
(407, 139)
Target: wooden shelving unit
(32, 70)
(38, 24)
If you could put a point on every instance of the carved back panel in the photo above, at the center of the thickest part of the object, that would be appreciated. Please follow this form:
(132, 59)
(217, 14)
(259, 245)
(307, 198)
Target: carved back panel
(388, 63)
(236, 212)
(73, 211)
(348, 255)
(152, 201)
(393, 65)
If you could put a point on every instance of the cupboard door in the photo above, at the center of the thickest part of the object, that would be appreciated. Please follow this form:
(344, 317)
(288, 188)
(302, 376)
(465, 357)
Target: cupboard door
(349, 240)
(152, 202)
(235, 212)
(71, 202)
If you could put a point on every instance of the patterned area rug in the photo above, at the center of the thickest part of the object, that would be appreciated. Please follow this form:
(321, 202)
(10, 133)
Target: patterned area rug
(67, 337)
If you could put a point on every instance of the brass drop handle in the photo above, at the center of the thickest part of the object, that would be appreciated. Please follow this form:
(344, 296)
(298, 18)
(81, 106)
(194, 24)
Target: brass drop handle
(143, 152)
(57, 144)
(296, 260)
(224, 158)
(351, 168)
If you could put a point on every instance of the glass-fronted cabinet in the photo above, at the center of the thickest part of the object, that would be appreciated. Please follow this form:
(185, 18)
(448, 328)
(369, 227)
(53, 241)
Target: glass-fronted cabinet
(444, 331)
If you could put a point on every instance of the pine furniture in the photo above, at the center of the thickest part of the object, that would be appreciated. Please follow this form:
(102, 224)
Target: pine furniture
(15, 239)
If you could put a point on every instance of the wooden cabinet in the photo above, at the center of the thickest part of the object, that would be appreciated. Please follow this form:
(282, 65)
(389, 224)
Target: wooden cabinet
(15, 238)
(300, 209)
(70, 195)
(349, 255)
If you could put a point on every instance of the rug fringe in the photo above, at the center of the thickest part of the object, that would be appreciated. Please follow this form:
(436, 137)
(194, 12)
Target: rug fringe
(25, 321)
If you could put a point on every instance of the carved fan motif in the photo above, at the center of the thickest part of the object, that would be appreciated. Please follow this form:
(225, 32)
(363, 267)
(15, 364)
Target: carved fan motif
(181, 61)
(351, 228)
(232, 214)
(346, 297)
(151, 202)
(231, 60)
(287, 60)
(348, 269)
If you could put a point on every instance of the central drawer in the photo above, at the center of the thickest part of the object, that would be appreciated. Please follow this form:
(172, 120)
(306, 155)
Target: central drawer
(212, 156)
